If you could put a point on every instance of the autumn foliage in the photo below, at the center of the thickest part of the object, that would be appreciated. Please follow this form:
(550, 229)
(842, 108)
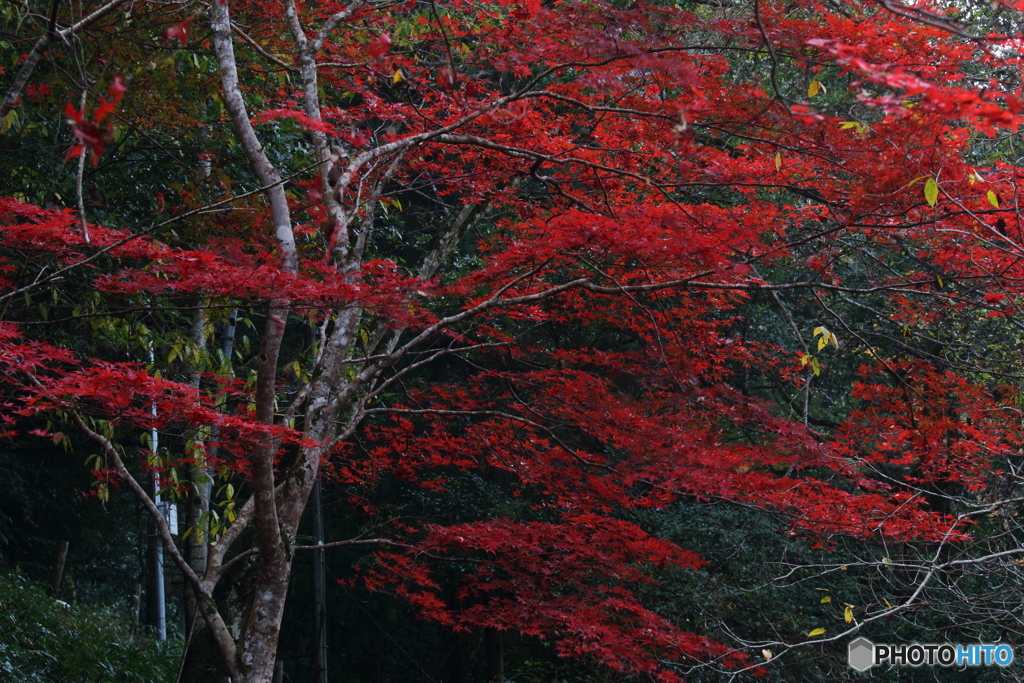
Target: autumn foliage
(529, 241)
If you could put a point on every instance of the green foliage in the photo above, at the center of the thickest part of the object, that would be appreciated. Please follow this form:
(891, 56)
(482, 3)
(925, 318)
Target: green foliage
(43, 640)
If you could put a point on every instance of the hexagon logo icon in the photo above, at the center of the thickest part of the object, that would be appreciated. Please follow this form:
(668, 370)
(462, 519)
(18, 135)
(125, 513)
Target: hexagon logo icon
(861, 654)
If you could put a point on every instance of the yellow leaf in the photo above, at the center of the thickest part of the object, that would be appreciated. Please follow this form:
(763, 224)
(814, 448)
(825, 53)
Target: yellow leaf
(10, 120)
(887, 603)
(805, 359)
(816, 632)
(827, 599)
(931, 191)
(993, 199)
(778, 161)
(398, 77)
(814, 88)
(848, 614)
(847, 125)
(364, 336)
(826, 337)
(767, 654)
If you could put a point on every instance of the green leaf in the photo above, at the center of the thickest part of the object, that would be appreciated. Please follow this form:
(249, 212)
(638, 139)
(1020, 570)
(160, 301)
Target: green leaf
(931, 191)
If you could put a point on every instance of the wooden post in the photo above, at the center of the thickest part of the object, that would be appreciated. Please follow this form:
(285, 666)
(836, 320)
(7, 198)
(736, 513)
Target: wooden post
(58, 567)
(136, 607)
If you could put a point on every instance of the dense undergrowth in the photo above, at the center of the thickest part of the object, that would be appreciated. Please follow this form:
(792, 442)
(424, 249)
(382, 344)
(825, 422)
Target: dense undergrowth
(43, 640)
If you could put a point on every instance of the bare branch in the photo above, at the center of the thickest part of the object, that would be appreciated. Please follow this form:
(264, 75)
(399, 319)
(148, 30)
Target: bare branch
(40, 47)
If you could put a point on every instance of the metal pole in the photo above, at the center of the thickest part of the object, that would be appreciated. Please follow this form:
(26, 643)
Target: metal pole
(157, 598)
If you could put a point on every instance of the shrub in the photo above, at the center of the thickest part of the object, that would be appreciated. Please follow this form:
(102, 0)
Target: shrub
(47, 641)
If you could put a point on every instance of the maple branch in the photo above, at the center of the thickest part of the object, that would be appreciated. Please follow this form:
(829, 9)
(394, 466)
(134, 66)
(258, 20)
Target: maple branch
(933, 568)
(221, 635)
(436, 257)
(237, 558)
(495, 301)
(215, 565)
(307, 53)
(512, 417)
(354, 541)
(361, 159)
(395, 356)
(771, 51)
(259, 48)
(370, 207)
(333, 22)
(332, 353)
(43, 42)
(80, 174)
(977, 219)
(142, 233)
(266, 173)
(923, 16)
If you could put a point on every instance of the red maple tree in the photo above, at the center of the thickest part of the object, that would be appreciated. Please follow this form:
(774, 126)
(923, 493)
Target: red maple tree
(637, 174)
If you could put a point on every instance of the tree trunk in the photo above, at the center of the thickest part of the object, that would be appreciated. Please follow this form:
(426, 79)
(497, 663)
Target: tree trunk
(495, 654)
(319, 659)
